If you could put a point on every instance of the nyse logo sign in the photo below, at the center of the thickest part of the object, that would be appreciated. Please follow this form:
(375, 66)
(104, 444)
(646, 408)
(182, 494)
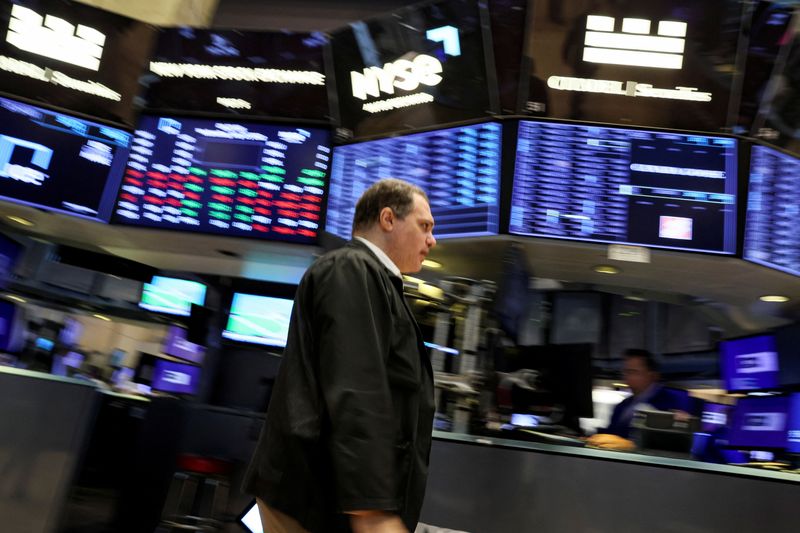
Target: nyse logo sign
(55, 38)
(177, 378)
(402, 74)
(634, 46)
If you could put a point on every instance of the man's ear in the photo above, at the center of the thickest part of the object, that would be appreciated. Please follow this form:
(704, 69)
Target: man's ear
(386, 219)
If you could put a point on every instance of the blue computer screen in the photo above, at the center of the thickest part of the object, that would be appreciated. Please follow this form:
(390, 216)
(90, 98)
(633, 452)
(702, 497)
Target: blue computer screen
(749, 363)
(793, 445)
(458, 168)
(59, 162)
(617, 185)
(760, 422)
(226, 177)
(773, 208)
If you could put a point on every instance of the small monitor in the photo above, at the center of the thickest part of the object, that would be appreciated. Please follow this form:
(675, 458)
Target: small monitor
(44, 344)
(749, 363)
(172, 295)
(714, 416)
(176, 378)
(177, 345)
(760, 422)
(259, 319)
(71, 332)
(793, 441)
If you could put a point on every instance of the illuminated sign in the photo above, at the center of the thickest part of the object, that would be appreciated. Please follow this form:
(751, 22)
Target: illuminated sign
(630, 88)
(634, 46)
(402, 74)
(55, 38)
(753, 363)
(236, 73)
(41, 158)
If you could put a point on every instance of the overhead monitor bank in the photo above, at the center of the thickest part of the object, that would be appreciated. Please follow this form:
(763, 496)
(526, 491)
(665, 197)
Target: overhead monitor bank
(625, 185)
(459, 168)
(73, 56)
(226, 177)
(59, 162)
(771, 236)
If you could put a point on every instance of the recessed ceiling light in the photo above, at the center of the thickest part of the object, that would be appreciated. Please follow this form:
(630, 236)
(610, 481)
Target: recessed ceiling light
(102, 317)
(774, 298)
(20, 220)
(606, 269)
(428, 263)
(16, 298)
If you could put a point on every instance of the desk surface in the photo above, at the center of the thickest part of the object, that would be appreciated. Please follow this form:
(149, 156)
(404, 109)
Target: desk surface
(625, 457)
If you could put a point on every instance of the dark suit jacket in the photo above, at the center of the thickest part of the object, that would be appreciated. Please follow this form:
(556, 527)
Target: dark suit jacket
(349, 423)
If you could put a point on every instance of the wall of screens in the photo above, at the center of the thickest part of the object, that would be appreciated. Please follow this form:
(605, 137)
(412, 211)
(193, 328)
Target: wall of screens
(459, 168)
(773, 207)
(617, 185)
(59, 162)
(225, 177)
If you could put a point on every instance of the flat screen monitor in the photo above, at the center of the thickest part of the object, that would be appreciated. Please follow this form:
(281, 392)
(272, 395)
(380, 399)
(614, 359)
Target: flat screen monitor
(177, 345)
(458, 168)
(749, 363)
(625, 186)
(71, 332)
(714, 416)
(760, 422)
(226, 177)
(73, 56)
(176, 378)
(277, 73)
(259, 319)
(172, 295)
(59, 162)
(773, 206)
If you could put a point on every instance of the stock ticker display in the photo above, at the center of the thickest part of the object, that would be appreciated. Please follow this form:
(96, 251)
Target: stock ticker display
(229, 178)
(458, 168)
(771, 237)
(628, 186)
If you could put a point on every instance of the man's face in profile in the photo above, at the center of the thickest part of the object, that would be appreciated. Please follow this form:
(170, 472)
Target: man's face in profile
(412, 237)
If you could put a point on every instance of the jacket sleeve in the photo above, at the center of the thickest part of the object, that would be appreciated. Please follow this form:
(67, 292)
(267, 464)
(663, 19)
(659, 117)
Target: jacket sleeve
(354, 324)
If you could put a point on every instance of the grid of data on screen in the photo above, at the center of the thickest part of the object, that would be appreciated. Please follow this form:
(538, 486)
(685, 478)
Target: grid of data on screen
(773, 207)
(459, 169)
(648, 188)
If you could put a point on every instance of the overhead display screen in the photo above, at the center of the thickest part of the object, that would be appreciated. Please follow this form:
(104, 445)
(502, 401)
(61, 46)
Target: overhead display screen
(228, 178)
(420, 66)
(771, 236)
(660, 63)
(74, 56)
(56, 161)
(277, 74)
(172, 295)
(616, 185)
(458, 168)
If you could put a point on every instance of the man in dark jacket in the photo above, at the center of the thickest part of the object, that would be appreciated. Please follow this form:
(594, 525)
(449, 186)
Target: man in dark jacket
(347, 438)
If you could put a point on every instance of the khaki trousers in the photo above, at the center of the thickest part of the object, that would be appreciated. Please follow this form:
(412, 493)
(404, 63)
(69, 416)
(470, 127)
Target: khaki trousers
(274, 521)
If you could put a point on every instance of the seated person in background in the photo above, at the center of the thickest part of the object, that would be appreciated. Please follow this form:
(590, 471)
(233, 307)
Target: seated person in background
(640, 372)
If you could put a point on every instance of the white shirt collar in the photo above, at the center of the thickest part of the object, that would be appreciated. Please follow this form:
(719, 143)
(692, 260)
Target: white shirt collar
(388, 263)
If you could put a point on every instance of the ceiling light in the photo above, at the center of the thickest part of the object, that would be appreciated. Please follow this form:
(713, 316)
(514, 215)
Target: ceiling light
(102, 317)
(16, 298)
(428, 263)
(774, 298)
(606, 269)
(20, 220)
